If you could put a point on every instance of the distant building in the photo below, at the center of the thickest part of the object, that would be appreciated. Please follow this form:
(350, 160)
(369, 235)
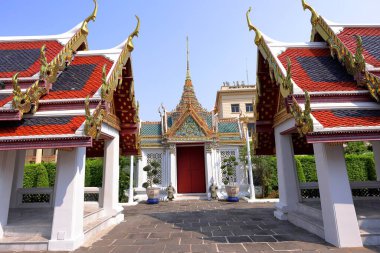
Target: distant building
(236, 100)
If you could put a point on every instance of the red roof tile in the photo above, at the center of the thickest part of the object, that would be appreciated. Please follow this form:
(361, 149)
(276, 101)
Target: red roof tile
(371, 54)
(337, 118)
(27, 127)
(52, 49)
(93, 83)
(5, 98)
(302, 78)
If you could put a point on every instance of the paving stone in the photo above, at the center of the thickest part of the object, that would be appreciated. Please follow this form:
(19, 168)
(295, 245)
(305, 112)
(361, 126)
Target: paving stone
(137, 235)
(159, 235)
(177, 248)
(184, 241)
(257, 247)
(217, 239)
(238, 239)
(205, 248)
(124, 241)
(124, 249)
(151, 249)
(285, 246)
(236, 247)
(221, 233)
(263, 238)
(145, 241)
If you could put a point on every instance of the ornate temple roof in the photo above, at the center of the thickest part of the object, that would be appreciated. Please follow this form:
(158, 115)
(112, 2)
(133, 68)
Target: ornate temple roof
(55, 93)
(189, 122)
(330, 86)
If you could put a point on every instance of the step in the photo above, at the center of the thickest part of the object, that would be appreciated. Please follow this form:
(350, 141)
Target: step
(27, 231)
(93, 229)
(24, 243)
(93, 216)
(309, 211)
(191, 196)
(309, 223)
(370, 236)
(368, 223)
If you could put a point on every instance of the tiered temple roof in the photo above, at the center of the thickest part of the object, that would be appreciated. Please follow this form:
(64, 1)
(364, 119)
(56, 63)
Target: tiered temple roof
(189, 122)
(330, 86)
(55, 93)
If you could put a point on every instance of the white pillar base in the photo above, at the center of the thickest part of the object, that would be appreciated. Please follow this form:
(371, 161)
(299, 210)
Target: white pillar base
(66, 245)
(286, 168)
(67, 227)
(338, 211)
(7, 165)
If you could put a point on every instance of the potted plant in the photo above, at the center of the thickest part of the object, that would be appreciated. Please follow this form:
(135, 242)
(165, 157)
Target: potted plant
(152, 192)
(228, 167)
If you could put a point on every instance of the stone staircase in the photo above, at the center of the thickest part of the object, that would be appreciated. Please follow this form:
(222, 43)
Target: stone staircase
(310, 219)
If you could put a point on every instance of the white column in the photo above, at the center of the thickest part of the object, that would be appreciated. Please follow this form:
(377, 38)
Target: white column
(208, 168)
(38, 155)
(18, 178)
(376, 155)
(130, 195)
(173, 166)
(338, 210)
(251, 186)
(67, 227)
(7, 165)
(111, 176)
(286, 171)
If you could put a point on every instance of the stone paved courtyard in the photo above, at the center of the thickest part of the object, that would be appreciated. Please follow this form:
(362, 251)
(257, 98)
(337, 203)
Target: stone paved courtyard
(203, 226)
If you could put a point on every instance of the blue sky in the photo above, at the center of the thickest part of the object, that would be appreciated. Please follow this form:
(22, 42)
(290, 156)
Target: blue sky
(220, 44)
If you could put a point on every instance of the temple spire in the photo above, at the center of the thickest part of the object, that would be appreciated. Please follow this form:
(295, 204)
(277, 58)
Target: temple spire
(187, 54)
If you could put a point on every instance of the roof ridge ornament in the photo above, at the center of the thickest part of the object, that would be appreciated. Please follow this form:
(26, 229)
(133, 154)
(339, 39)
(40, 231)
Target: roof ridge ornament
(92, 17)
(314, 14)
(135, 33)
(251, 27)
(188, 77)
(93, 123)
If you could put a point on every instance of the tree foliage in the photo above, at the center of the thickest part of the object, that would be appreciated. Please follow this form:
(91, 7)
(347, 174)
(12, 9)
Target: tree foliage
(151, 172)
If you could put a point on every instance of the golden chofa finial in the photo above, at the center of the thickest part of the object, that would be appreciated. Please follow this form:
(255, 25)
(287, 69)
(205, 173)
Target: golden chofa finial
(135, 33)
(89, 18)
(314, 14)
(258, 37)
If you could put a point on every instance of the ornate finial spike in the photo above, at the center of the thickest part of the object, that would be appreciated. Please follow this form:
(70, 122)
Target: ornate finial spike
(314, 15)
(91, 17)
(188, 64)
(258, 37)
(135, 33)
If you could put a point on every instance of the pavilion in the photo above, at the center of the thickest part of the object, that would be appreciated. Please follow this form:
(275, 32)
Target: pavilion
(55, 93)
(312, 98)
(189, 143)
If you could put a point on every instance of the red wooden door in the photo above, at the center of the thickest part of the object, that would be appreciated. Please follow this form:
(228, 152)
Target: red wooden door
(191, 170)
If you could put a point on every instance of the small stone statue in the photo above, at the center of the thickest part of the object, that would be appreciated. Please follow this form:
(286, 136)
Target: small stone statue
(170, 190)
(213, 190)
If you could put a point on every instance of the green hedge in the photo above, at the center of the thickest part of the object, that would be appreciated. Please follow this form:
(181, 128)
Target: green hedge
(360, 167)
(43, 174)
(35, 176)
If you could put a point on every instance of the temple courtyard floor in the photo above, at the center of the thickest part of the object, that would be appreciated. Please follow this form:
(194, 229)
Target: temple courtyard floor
(208, 226)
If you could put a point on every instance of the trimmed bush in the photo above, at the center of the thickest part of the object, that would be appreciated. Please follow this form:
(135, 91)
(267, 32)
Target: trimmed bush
(51, 170)
(308, 167)
(35, 175)
(94, 170)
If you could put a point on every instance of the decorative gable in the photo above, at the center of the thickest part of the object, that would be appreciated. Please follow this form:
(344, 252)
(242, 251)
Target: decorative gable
(189, 128)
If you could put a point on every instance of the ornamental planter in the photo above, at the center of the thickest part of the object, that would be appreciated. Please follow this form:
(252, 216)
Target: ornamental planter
(232, 192)
(153, 194)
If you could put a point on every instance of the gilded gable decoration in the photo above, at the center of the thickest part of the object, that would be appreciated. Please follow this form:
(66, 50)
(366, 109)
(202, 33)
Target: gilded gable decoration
(93, 124)
(304, 122)
(189, 128)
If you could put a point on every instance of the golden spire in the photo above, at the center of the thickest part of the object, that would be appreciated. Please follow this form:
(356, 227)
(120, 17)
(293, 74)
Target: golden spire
(187, 57)
(251, 27)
